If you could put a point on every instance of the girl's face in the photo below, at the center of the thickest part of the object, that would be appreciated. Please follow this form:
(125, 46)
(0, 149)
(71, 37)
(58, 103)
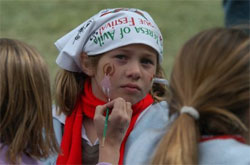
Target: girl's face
(133, 68)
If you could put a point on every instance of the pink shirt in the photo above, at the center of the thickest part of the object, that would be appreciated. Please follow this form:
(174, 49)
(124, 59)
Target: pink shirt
(25, 158)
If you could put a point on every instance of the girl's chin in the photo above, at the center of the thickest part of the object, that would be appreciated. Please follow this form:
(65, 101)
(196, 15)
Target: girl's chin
(131, 100)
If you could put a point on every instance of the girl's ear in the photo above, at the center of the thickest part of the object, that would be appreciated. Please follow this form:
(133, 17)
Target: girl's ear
(86, 66)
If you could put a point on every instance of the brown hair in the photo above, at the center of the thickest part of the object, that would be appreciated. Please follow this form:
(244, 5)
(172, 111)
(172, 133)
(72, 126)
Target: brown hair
(211, 74)
(25, 102)
(69, 85)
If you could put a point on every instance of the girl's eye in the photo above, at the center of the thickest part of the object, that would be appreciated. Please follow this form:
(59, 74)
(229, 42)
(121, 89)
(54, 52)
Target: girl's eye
(147, 61)
(120, 57)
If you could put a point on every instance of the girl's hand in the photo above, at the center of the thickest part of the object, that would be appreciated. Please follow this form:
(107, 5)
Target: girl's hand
(118, 122)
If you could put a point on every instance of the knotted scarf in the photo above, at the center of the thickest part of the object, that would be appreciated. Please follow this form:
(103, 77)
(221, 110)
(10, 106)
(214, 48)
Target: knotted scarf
(71, 141)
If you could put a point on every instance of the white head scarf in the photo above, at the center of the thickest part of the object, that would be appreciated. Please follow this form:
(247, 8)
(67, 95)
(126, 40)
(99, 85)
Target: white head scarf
(107, 30)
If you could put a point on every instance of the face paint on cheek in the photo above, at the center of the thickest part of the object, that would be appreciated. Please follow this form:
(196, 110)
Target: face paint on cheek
(151, 79)
(108, 71)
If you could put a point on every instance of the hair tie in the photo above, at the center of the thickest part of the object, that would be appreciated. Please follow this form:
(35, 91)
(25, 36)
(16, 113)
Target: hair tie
(191, 111)
(160, 81)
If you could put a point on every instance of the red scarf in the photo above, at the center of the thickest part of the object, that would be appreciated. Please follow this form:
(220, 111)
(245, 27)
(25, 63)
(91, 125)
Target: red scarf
(71, 141)
(223, 137)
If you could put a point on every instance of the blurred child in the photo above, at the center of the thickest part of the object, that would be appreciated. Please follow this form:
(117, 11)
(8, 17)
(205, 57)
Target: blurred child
(112, 57)
(26, 130)
(210, 86)
(236, 13)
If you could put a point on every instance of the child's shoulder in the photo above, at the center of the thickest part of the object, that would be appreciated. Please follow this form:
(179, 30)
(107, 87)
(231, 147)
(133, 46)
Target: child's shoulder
(147, 133)
(163, 105)
(155, 117)
(158, 112)
(60, 117)
(227, 151)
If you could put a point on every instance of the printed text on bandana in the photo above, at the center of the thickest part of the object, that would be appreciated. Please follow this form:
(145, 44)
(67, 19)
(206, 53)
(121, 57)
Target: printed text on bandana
(109, 31)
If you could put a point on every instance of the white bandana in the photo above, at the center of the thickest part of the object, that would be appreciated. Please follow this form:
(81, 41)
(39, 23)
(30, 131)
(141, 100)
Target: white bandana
(107, 30)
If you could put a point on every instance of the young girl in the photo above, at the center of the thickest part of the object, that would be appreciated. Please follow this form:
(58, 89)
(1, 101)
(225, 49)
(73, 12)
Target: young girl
(210, 87)
(112, 57)
(26, 132)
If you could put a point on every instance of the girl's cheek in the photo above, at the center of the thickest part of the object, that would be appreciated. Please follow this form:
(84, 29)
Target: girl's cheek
(106, 84)
(151, 79)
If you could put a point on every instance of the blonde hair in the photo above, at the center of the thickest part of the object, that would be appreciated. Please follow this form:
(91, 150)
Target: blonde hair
(25, 102)
(69, 85)
(211, 74)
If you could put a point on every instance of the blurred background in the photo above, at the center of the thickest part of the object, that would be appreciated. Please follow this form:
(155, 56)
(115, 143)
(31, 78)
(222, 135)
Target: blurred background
(41, 22)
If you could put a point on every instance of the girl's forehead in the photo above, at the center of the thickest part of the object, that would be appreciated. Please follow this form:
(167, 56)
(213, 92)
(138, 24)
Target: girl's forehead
(135, 48)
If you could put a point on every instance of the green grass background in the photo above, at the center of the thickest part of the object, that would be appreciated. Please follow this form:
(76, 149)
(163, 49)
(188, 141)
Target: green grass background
(40, 23)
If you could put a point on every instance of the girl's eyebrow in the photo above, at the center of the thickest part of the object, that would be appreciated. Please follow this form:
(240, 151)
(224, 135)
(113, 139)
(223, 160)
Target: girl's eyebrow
(144, 51)
(126, 50)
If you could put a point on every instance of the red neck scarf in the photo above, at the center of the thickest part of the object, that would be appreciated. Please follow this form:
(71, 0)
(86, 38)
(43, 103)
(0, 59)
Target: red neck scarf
(223, 137)
(71, 141)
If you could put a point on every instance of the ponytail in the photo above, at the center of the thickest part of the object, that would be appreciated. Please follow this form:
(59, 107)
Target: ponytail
(180, 143)
(68, 86)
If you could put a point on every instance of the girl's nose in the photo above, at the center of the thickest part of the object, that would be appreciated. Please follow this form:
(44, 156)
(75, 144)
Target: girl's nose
(133, 71)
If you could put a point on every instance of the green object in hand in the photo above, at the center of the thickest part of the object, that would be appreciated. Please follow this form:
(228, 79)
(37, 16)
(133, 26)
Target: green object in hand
(105, 127)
